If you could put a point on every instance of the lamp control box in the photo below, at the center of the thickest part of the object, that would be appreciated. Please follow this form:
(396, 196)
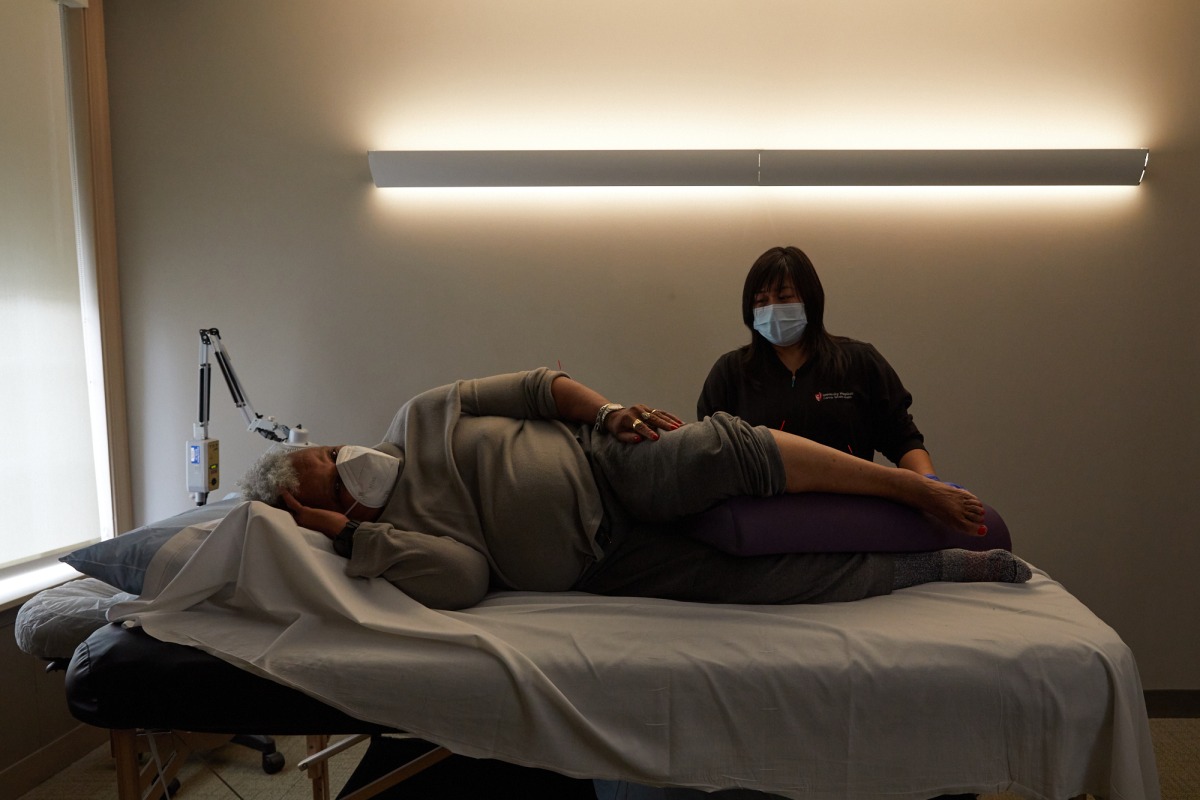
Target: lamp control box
(203, 465)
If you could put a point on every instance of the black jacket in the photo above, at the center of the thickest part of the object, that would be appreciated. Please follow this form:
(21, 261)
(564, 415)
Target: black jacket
(865, 411)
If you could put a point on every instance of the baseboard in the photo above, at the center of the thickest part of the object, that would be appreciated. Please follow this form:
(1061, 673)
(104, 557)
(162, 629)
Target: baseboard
(1173, 703)
(50, 760)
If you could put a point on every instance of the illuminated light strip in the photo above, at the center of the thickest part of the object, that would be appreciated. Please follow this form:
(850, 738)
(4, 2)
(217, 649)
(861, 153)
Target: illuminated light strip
(492, 168)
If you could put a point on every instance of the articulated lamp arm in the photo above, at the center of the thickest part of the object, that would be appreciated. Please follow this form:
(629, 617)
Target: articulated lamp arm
(203, 453)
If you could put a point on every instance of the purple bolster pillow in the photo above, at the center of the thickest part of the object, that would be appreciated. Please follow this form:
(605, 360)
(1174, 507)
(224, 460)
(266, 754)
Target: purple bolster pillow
(816, 522)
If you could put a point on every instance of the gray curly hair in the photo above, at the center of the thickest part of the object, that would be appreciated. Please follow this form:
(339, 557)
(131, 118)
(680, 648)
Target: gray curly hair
(269, 476)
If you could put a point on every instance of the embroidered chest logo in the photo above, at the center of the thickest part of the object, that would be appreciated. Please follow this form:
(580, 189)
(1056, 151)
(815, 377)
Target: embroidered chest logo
(822, 396)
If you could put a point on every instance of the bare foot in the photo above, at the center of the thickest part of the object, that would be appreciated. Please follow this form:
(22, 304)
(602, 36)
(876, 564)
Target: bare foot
(954, 507)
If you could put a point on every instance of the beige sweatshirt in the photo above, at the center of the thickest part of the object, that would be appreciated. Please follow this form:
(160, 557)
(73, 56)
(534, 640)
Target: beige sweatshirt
(493, 493)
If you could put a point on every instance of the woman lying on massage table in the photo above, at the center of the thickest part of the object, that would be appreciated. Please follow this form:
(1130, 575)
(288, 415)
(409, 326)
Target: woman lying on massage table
(534, 482)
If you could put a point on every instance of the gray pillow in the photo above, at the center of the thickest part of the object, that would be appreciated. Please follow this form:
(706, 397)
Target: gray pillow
(53, 622)
(123, 560)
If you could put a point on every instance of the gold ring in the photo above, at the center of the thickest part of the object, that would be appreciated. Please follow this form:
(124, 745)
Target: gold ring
(646, 414)
(654, 411)
(637, 422)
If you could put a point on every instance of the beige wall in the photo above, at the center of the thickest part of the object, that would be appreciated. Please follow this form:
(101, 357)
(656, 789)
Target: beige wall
(1049, 336)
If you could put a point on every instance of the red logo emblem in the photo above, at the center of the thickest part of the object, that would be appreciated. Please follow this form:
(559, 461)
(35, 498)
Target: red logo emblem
(818, 397)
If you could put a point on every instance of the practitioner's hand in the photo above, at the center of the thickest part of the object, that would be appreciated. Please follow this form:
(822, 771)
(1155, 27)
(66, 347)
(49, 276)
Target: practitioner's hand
(639, 423)
(321, 520)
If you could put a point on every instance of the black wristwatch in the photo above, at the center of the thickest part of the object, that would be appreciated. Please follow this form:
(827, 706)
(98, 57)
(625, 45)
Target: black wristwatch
(343, 543)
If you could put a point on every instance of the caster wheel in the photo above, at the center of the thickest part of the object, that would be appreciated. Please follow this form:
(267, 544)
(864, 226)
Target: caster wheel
(272, 762)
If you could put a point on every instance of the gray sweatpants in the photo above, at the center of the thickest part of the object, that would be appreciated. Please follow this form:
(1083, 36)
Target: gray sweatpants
(650, 490)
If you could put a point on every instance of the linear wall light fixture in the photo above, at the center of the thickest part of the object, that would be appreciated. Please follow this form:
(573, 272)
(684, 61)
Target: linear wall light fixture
(483, 168)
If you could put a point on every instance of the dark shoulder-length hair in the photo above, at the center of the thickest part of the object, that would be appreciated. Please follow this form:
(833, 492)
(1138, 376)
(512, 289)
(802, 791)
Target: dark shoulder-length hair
(768, 272)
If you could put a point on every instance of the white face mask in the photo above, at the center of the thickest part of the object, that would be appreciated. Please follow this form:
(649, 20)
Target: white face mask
(781, 325)
(367, 474)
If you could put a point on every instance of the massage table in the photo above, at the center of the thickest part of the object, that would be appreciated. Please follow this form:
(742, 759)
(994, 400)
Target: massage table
(245, 622)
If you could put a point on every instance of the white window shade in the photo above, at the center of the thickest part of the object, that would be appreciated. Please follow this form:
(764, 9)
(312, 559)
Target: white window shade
(49, 494)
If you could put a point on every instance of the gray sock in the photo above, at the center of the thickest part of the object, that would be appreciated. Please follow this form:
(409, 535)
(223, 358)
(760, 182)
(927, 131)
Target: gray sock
(960, 566)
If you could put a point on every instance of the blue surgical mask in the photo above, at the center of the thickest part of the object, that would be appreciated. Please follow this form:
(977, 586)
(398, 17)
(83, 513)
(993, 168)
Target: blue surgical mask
(782, 325)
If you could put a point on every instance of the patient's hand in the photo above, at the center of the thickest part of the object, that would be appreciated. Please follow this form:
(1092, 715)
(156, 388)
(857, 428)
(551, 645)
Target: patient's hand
(322, 520)
(640, 423)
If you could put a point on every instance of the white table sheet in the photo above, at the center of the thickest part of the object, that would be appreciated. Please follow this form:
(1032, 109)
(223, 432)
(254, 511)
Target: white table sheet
(934, 689)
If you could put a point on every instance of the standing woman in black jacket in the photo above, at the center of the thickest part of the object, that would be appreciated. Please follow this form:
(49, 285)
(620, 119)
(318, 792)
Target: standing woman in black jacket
(795, 376)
